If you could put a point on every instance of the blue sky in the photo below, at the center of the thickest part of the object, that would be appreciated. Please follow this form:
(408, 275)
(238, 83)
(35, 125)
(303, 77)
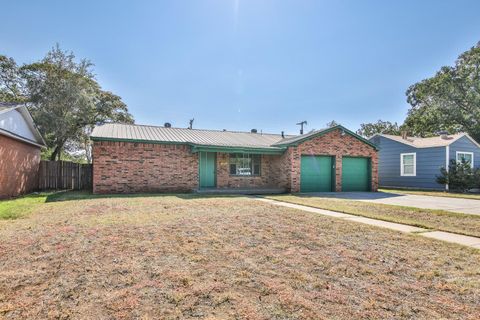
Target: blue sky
(242, 64)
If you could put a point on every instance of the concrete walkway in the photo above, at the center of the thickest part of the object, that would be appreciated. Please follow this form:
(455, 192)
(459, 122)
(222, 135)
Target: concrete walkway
(467, 206)
(468, 241)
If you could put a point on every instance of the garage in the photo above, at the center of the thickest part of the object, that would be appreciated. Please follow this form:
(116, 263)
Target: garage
(355, 174)
(316, 173)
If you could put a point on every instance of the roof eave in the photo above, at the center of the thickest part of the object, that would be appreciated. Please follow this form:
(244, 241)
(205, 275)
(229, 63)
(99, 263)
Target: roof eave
(20, 138)
(238, 149)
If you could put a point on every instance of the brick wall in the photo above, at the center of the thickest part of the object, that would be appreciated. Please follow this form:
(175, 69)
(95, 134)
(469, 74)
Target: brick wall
(270, 174)
(333, 144)
(125, 167)
(19, 164)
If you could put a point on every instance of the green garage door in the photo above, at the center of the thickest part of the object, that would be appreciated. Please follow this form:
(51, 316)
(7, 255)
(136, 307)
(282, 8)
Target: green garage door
(316, 174)
(355, 174)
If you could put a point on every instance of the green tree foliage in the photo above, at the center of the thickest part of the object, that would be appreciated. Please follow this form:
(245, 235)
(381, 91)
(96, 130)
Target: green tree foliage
(11, 83)
(387, 127)
(65, 100)
(448, 101)
(460, 176)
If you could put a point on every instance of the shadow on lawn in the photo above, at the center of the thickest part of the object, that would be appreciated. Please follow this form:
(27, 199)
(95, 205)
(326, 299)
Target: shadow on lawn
(86, 195)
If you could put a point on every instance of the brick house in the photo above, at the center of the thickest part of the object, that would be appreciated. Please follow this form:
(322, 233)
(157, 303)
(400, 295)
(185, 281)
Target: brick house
(20, 146)
(138, 158)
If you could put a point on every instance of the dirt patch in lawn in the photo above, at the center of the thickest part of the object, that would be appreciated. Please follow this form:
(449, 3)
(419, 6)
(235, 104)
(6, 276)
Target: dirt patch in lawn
(223, 258)
(460, 223)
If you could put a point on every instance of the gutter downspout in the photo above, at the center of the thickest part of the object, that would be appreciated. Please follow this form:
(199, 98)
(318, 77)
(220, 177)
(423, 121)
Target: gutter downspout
(447, 160)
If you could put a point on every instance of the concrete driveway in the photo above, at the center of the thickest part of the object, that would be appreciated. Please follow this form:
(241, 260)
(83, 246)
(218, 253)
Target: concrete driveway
(468, 206)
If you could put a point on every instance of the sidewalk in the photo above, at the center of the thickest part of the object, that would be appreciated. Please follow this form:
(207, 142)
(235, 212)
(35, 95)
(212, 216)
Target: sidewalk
(468, 241)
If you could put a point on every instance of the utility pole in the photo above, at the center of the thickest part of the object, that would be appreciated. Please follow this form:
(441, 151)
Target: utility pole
(304, 122)
(191, 124)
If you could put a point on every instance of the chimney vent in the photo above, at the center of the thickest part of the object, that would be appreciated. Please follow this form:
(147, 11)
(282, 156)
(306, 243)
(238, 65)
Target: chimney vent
(168, 125)
(253, 131)
(404, 135)
(283, 134)
(443, 135)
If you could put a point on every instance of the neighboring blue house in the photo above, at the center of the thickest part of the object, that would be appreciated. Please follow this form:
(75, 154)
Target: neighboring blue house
(408, 162)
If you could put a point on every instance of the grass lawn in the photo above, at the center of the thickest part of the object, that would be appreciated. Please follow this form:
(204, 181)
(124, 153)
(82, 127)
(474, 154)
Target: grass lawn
(434, 193)
(192, 257)
(19, 207)
(466, 224)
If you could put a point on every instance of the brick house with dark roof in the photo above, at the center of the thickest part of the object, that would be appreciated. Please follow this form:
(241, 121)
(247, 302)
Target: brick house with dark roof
(138, 158)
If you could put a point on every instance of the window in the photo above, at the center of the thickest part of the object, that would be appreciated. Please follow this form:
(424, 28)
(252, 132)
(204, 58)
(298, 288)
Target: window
(465, 156)
(244, 164)
(408, 164)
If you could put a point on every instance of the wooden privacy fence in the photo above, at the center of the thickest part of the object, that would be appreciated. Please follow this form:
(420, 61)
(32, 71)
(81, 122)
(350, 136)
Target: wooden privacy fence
(65, 175)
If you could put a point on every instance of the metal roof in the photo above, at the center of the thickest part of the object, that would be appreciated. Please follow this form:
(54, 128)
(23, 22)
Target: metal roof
(431, 142)
(209, 138)
(293, 139)
(145, 133)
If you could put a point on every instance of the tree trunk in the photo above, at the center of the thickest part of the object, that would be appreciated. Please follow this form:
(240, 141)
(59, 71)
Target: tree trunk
(55, 153)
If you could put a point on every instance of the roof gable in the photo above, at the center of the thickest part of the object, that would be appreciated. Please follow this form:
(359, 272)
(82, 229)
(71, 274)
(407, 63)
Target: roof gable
(16, 122)
(302, 138)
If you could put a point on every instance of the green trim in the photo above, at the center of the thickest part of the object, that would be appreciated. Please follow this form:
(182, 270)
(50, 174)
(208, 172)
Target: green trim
(226, 149)
(321, 133)
(198, 148)
(138, 141)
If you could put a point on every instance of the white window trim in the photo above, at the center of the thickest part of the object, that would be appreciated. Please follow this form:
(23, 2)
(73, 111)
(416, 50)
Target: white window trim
(464, 152)
(402, 173)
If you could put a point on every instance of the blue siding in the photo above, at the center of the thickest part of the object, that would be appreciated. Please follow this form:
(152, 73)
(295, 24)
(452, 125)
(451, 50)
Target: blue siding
(429, 162)
(466, 145)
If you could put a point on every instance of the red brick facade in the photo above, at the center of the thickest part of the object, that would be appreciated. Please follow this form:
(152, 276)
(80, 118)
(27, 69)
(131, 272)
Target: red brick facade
(19, 164)
(126, 167)
(333, 144)
(269, 172)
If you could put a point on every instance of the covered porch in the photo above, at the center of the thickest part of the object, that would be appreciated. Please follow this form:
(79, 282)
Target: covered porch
(241, 170)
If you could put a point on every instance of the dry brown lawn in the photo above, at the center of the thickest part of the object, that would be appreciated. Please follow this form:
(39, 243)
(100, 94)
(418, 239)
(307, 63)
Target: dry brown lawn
(467, 224)
(474, 196)
(182, 257)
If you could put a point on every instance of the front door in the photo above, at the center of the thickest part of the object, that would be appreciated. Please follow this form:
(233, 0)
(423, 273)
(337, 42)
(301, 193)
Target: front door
(207, 169)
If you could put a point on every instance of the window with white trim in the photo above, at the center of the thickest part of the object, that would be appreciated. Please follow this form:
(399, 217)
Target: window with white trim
(244, 164)
(465, 156)
(408, 164)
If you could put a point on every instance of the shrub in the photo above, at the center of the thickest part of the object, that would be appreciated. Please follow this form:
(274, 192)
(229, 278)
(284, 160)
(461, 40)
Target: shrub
(460, 176)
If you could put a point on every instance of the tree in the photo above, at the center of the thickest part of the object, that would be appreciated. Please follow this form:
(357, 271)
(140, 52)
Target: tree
(387, 127)
(448, 101)
(67, 102)
(460, 176)
(11, 84)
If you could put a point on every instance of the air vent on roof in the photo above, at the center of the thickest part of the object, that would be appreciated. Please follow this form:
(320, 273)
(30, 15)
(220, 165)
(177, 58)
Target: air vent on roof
(168, 125)
(443, 135)
(253, 131)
